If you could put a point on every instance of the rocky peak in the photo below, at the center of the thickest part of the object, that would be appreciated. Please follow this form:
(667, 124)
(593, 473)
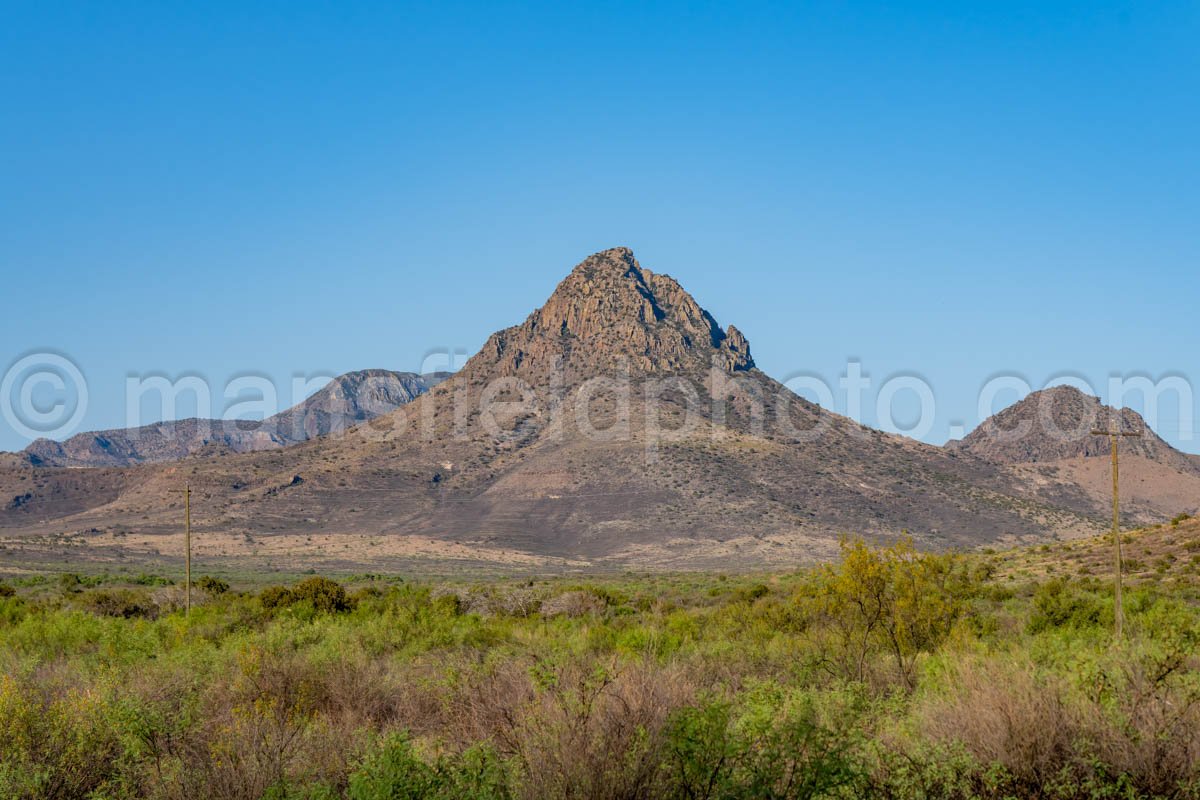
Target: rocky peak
(1057, 423)
(610, 310)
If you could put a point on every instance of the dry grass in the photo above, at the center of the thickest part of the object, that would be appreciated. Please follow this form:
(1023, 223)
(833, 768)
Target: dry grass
(1048, 735)
(577, 730)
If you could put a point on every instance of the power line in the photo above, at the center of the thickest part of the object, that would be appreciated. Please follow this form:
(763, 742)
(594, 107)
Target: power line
(1114, 434)
(187, 558)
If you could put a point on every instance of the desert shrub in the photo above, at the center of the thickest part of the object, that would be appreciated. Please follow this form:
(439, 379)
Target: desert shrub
(926, 682)
(6, 590)
(393, 771)
(274, 597)
(212, 586)
(1057, 603)
(577, 603)
(748, 594)
(1011, 722)
(151, 580)
(1121, 722)
(168, 598)
(515, 602)
(1147, 709)
(575, 729)
(250, 750)
(715, 753)
(125, 603)
(55, 744)
(324, 595)
(520, 601)
(1178, 518)
(894, 603)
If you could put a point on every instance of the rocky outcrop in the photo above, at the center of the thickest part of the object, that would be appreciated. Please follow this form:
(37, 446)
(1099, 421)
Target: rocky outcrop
(349, 400)
(611, 314)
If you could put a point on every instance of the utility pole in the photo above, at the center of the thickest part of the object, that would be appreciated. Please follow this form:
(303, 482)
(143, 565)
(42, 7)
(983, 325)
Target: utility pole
(1114, 433)
(187, 539)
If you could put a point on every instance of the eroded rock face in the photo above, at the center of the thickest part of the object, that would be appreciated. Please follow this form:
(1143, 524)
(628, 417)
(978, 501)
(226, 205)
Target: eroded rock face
(609, 315)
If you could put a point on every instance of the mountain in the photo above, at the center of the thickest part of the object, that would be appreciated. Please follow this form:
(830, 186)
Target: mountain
(1057, 423)
(619, 425)
(608, 315)
(344, 402)
(1046, 441)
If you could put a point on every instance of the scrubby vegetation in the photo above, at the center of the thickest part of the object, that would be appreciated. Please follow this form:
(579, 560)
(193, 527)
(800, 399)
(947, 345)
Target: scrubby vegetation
(888, 674)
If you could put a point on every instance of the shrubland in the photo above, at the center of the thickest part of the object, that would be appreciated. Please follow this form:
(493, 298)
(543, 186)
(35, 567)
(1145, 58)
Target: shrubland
(890, 673)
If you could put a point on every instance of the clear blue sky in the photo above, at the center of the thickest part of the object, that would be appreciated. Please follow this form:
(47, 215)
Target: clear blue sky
(951, 190)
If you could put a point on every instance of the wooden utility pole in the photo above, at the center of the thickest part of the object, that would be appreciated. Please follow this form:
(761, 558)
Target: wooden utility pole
(187, 543)
(1114, 433)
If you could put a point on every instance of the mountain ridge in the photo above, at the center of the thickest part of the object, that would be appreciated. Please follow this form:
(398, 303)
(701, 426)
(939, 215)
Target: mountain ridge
(345, 401)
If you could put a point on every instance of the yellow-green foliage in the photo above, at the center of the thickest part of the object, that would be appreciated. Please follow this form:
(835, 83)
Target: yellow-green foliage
(55, 743)
(890, 673)
(891, 600)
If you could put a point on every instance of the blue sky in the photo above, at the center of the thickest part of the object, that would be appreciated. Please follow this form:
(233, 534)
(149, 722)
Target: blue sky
(952, 190)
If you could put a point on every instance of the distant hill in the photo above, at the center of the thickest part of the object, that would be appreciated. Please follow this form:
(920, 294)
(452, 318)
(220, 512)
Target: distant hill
(1057, 423)
(344, 402)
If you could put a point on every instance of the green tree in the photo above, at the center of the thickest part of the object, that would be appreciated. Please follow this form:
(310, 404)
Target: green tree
(893, 601)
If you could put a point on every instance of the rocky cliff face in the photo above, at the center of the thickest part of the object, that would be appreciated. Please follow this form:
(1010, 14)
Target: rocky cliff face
(1056, 424)
(349, 400)
(344, 402)
(610, 315)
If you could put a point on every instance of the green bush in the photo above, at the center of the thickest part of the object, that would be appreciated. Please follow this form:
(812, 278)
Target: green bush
(322, 594)
(274, 597)
(56, 747)
(1057, 604)
(713, 754)
(892, 602)
(212, 586)
(152, 580)
(125, 603)
(395, 772)
(748, 594)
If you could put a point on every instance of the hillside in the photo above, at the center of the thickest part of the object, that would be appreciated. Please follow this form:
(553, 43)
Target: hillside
(1161, 553)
